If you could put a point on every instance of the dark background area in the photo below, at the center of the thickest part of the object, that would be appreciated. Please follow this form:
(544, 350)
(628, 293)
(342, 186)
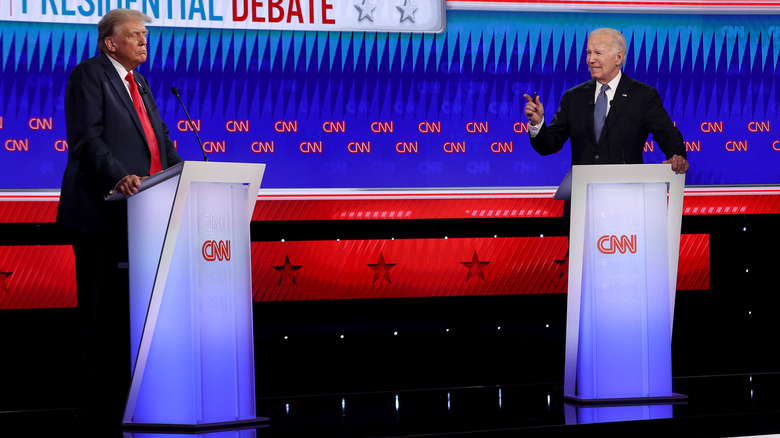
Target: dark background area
(440, 342)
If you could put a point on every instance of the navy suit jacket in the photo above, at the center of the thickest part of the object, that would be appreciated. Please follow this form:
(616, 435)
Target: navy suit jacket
(636, 111)
(106, 142)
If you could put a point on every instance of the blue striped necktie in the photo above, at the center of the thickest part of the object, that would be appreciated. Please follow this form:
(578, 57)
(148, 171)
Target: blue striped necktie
(600, 112)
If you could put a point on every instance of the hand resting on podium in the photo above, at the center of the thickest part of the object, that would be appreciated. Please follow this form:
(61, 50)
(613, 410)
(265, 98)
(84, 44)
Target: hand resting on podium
(679, 164)
(128, 186)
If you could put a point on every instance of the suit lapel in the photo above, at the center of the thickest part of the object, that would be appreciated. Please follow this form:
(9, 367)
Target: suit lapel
(619, 102)
(622, 97)
(120, 89)
(589, 102)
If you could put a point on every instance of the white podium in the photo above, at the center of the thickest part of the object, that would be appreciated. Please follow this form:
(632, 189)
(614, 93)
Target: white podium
(623, 248)
(191, 336)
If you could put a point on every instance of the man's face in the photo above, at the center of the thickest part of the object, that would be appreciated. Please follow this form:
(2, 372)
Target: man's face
(603, 61)
(128, 44)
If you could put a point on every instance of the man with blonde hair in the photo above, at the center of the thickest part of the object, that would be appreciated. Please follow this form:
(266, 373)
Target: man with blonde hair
(116, 137)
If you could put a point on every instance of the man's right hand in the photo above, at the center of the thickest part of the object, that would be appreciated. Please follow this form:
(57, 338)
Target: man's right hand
(129, 185)
(534, 109)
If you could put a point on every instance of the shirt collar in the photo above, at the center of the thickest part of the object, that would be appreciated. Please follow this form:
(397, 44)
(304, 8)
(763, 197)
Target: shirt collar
(119, 67)
(613, 84)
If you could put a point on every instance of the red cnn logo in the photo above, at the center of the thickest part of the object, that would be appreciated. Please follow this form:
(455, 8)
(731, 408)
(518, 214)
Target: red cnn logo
(610, 244)
(216, 250)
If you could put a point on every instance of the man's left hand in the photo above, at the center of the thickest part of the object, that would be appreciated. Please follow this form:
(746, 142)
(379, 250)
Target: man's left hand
(679, 164)
(128, 186)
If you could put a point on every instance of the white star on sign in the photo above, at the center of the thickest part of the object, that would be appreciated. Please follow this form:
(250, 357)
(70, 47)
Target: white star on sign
(366, 11)
(407, 11)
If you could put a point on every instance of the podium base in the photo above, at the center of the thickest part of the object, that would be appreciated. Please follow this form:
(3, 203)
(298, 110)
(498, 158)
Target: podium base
(203, 427)
(674, 398)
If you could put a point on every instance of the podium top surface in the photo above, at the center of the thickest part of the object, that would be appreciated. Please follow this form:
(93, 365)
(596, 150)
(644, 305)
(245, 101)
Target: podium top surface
(151, 181)
(616, 173)
(201, 171)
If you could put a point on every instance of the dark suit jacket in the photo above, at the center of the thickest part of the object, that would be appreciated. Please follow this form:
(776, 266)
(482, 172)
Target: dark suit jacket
(106, 142)
(636, 111)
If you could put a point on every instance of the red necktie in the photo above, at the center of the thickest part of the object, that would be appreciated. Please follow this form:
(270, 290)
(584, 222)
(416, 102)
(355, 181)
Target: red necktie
(151, 139)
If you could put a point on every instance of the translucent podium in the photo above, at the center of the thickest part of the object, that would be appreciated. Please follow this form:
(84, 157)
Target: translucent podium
(191, 335)
(624, 245)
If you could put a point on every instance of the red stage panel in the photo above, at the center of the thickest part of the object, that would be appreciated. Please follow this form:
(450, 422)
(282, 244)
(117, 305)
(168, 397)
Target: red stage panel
(361, 205)
(44, 276)
(16, 211)
(37, 277)
(693, 268)
(347, 269)
(470, 205)
(405, 208)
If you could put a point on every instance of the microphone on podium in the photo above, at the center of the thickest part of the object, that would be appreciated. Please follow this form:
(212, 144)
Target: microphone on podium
(175, 92)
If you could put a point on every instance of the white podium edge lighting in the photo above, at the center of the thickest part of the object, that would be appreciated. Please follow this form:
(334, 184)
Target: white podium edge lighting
(574, 187)
(191, 172)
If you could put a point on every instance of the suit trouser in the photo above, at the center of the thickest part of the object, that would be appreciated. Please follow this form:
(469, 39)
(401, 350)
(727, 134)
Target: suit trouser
(103, 307)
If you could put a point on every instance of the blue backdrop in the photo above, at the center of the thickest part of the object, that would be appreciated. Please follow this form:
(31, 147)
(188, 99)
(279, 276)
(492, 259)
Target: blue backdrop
(433, 110)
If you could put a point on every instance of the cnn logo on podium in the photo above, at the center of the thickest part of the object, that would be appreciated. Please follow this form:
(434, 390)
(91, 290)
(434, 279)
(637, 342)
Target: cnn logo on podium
(621, 244)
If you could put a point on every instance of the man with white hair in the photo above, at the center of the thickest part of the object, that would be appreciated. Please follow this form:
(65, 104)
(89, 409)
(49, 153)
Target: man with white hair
(609, 117)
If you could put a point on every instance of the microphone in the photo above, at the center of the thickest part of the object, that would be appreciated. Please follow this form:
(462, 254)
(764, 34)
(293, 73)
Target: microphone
(175, 92)
(620, 136)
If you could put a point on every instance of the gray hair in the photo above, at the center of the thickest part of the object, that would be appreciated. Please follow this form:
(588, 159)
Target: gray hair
(115, 18)
(618, 40)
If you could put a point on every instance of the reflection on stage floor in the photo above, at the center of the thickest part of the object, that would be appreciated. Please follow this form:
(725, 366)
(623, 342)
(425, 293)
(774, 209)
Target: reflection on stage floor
(717, 406)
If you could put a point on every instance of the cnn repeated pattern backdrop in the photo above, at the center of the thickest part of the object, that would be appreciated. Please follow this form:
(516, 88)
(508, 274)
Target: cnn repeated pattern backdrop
(715, 73)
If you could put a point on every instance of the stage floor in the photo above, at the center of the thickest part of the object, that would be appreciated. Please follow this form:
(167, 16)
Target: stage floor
(717, 406)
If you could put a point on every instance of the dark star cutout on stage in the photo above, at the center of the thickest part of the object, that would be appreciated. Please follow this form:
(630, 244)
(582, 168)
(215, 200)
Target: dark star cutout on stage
(475, 267)
(562, 264)
(287, 271)
(381, 269)
(3, 277)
